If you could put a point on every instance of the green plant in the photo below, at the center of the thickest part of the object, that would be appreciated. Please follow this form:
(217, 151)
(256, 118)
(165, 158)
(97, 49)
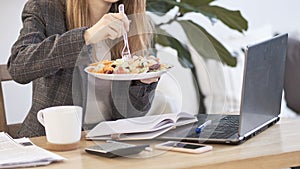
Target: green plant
(195, 32)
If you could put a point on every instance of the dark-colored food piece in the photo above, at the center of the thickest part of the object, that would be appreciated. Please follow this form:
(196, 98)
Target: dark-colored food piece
(154, 67)
(109, 72)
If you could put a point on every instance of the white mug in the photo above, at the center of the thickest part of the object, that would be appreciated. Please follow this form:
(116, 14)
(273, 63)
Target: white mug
(62, 124)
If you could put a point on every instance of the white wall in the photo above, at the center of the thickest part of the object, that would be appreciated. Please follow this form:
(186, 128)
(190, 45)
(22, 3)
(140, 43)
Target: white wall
(265, 17)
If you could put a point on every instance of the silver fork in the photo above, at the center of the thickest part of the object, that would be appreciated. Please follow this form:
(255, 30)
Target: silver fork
(126, 51)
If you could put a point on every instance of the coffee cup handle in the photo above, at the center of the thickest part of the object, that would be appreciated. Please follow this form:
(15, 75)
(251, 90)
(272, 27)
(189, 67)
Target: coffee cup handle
(40, 117)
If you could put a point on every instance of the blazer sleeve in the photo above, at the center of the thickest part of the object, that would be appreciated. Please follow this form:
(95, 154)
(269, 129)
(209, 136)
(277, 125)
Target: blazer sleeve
(131, 98)
(36, 54)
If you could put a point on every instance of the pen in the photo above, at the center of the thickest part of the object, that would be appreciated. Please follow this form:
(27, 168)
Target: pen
(202, 126)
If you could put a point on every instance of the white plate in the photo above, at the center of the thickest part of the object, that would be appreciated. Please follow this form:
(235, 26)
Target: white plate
(126, 76)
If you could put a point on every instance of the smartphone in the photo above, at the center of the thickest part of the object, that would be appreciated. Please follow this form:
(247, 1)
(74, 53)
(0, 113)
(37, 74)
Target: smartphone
(184, 147)
(115, 149)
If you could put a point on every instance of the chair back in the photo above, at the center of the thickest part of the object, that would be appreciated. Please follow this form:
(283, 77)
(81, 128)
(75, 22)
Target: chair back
(291, 77)
(11, 129)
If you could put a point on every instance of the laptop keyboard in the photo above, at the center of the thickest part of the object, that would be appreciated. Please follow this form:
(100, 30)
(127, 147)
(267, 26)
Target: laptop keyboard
(221, 128)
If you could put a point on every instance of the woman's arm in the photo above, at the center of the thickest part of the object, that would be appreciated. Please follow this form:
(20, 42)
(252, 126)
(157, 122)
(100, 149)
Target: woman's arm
(39, 53)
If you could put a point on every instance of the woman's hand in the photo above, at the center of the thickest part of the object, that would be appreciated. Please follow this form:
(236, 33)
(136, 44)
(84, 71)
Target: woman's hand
(111, 25)
(150, 80)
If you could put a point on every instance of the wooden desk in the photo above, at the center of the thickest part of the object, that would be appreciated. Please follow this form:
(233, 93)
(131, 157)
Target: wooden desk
(277, 147)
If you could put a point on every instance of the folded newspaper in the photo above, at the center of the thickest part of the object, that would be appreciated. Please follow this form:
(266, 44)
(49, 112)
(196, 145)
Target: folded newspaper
(23, 153)
(139, 128)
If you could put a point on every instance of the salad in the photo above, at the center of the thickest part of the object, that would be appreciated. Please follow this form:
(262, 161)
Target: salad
(135, 65)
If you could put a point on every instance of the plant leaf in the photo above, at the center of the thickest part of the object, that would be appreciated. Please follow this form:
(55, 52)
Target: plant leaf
(196, 3)
(161, 7)
(205, 44)
(233, 19)
(166, 40)
(192, 7)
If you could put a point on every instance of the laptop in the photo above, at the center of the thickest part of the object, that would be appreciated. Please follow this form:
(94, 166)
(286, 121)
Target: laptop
(260, 100)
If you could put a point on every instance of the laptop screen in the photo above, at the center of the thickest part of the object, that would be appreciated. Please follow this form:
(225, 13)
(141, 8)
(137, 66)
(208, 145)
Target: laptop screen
(262, 83)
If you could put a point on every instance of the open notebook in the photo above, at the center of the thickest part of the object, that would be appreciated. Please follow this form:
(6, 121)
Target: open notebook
(139, 128)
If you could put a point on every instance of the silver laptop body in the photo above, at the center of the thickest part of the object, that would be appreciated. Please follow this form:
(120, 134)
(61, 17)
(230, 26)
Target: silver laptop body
(260, 98)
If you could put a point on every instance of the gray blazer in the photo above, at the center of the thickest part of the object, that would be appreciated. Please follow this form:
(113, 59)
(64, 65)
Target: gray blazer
(46, 53)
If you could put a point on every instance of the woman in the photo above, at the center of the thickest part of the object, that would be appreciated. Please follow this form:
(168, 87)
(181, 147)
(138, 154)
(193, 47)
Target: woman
(53, 35)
